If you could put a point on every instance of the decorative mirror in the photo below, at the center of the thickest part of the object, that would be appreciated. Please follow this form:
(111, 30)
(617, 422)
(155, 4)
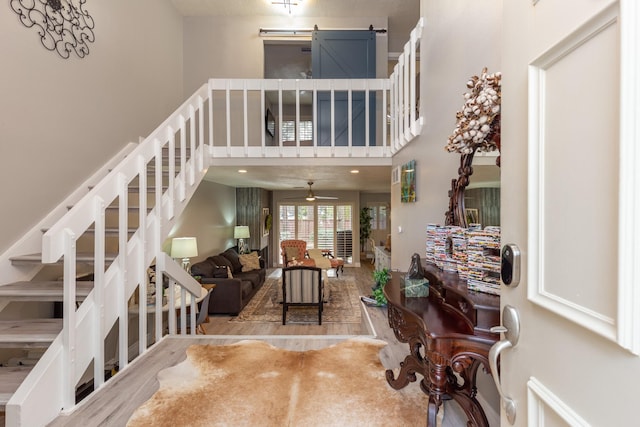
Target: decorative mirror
(477, 130)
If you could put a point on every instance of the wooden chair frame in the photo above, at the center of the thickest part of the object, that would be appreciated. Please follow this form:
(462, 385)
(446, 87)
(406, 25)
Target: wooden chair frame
(317, 295)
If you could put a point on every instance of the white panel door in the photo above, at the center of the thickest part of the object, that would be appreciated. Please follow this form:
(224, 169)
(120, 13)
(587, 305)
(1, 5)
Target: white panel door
(571, 202)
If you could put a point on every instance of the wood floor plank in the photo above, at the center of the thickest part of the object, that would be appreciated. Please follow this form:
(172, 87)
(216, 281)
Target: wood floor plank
(134, 385)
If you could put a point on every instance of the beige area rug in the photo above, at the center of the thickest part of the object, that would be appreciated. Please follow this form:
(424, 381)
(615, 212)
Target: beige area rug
(252, 383)
(342, 304)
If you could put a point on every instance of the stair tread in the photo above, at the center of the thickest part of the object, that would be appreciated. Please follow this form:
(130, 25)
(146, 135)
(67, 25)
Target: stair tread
(107, 230)
(80, 257)
(29, 331)
(42, 291)
(10, 379)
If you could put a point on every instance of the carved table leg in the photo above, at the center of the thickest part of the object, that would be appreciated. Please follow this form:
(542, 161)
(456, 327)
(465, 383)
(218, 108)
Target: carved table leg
(434, 405)
(406, 375)
(472, 409)
(465, 394)
(436, 390)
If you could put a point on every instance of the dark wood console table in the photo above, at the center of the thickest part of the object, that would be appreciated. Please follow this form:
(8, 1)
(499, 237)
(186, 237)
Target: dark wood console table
(443, 341)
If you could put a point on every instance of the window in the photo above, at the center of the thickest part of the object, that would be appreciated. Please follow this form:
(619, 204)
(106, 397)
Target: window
(287, 222)
(289, 130)
(325, 226)
(379, 215)
(306, 225)
(344, 233)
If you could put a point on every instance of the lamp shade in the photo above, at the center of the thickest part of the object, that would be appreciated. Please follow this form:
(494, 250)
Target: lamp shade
(184, 247)
(241, 232)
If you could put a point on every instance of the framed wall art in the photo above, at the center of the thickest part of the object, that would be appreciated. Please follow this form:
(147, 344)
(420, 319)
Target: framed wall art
(408, 182)
(266, 221)
(395, 175)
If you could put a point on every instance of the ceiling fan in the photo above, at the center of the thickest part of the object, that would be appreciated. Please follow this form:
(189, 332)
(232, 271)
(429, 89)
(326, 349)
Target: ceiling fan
(310, 197)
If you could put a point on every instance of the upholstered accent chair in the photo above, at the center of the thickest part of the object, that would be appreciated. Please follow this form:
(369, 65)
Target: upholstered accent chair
(294, 252)
(302, 286)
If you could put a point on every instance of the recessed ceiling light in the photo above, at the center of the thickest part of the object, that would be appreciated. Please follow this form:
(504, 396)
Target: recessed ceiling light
(242, 171)
(355, 171)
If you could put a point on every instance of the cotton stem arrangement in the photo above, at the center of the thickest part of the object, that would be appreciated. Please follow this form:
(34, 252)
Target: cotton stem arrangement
(480, 116)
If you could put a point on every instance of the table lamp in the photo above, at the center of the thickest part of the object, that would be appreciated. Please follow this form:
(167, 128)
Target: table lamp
(241, 232)
(184, 247)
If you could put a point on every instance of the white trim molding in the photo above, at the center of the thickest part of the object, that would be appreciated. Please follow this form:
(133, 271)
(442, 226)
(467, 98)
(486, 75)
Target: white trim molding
(629, 236)
(623, 326)
(539, 398)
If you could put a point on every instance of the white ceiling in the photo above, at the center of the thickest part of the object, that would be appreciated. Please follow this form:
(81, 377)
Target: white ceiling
(370, 179)
(402, 17)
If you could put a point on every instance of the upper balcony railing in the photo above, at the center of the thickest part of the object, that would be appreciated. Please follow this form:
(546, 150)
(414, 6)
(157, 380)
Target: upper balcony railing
(317, 117)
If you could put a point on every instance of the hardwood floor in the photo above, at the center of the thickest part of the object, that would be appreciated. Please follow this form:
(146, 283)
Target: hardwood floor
(124, 393)
(222, 325)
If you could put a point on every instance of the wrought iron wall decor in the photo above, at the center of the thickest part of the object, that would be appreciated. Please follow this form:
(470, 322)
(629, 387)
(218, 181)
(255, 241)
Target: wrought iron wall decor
(62, 26)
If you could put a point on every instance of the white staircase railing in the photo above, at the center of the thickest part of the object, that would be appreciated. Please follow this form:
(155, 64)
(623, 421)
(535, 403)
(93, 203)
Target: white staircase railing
(176, 155)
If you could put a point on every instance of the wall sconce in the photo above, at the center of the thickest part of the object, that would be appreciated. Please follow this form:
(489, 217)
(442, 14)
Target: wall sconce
(241, 232)
(185, 248)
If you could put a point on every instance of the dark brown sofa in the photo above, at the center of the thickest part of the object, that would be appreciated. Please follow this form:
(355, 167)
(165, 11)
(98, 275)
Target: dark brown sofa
(230, 294)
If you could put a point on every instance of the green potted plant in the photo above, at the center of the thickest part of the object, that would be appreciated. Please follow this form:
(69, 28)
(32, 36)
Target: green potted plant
(381, 277)
(365, 226)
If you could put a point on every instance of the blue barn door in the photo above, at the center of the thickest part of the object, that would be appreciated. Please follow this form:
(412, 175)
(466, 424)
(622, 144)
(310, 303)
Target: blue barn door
(344, 54)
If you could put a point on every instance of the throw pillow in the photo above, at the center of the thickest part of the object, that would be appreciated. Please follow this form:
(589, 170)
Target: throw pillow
(315, 253)
(250, 261)
(203, 268)
(232, 256)
(221, 261)
(221, 272)
(292, 253)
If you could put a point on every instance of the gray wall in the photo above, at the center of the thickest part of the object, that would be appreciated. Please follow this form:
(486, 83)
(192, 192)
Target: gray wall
(230, 47)
(61, 119)
(459, 39)
(210, 217)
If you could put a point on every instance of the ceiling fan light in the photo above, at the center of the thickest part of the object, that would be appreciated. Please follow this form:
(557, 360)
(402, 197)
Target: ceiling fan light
(310, 198)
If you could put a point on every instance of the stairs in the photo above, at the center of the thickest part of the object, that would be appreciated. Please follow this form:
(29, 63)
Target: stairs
(29, 334)
(32, 336)
(35, 335)
(123, 214)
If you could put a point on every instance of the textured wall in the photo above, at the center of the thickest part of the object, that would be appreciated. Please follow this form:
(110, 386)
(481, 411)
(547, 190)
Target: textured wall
(459, 39)
(61, 119)
(210, 217)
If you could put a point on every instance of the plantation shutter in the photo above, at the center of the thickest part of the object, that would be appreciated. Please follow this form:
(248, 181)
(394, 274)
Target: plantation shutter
(382, 218)
(326, 223)
(287, 224)
(306, 225)
(321, 226)
(344, 234)
(374, 217)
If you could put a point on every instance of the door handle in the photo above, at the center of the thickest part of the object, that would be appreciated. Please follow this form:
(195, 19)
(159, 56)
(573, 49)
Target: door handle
(511, 330)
